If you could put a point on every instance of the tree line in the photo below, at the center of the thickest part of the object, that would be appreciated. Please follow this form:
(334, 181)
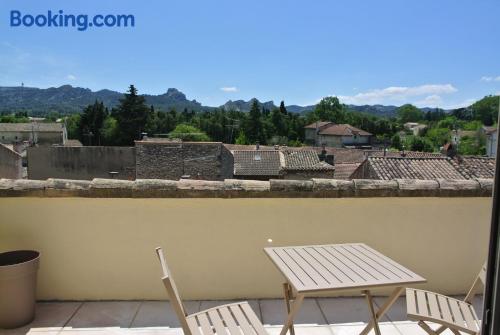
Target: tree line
(132, 119)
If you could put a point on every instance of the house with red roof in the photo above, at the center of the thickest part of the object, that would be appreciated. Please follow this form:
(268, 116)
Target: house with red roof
(336, 135)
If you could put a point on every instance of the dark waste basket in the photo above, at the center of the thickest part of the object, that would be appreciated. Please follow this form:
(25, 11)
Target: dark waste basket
(18, 272)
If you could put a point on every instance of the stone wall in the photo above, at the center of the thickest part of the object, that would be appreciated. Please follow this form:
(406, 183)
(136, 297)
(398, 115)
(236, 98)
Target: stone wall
(305, 175)
(235, 188)
(11, 163)
(172, 160)
(81, 163)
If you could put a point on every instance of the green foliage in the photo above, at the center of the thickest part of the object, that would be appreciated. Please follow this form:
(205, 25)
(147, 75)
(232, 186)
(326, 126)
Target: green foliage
(254, 125)
(438, 136)
(471, 146)
(189, 133)
(486, 110)
(409, 113)
(91, 123)
(283, 108)
(131, 116)
(328, 109)
(471, 125)
(109, 131)
(73, 125)
(449, 122)
(241, 139)
(13, 118)
(267, 125)
(417, 143)
(396, 142)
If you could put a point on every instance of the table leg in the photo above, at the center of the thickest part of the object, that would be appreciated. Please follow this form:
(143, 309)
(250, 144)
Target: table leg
(369, 300)
(288, 294)
(293, 309)
(383, 309)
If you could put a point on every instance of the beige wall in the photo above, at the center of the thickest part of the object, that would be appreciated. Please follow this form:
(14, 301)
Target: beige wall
(104, 248)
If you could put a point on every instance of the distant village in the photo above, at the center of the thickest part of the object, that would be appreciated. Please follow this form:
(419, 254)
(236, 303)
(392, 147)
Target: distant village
(41, 150)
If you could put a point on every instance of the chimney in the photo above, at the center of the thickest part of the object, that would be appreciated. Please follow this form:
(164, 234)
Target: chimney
(322, 155)
(330, 159)
(257, 146)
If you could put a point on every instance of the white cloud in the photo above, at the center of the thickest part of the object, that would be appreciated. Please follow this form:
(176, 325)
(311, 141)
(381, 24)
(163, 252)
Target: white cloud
(490, 78)
(70, 77)
(431, 101)
(229, 89)
(399, 94)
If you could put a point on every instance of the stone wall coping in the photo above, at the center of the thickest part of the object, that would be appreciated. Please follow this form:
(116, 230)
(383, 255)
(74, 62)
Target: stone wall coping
(174, 142)
(237, 188)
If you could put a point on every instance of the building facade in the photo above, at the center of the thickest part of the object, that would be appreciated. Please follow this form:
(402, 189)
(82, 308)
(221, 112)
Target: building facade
(491, 134)
(336, 135)
(34, 133)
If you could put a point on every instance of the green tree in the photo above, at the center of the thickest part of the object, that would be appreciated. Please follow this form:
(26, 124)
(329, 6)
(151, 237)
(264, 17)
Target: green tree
(417, 143)
(409, 113)
(131, 116)
(73, 126)
(438, 136)
(109, 131)
(283, 108)
(486, 110)
(255, 126)
(279, 123)
(241, 139)
(471, 146)
(329, 109)
(91, 123)
(396, 142)
(187, 132)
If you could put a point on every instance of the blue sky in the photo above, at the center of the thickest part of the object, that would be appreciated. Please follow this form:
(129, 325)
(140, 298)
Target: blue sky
(431, 53)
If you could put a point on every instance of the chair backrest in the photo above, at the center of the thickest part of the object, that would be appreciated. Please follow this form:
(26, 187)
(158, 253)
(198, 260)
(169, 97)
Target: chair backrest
(480, 279)
(172, 292)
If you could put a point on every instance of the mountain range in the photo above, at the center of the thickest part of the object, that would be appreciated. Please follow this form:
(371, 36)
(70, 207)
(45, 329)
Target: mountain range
(67, 99)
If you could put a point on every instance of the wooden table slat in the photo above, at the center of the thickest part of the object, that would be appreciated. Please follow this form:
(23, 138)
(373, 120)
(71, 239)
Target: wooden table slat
(357, 267)
(372, 266)
(397, 267)
(299, 273)
(339, 266)
(317, 263)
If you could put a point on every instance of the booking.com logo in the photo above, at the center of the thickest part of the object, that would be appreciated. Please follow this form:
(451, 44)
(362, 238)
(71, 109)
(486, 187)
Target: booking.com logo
(58, 19)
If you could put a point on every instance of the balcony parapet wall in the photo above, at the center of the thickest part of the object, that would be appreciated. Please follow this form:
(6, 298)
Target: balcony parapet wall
(235, 188)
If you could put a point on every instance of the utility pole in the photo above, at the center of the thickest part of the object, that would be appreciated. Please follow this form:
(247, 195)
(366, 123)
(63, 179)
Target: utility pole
(235, 124)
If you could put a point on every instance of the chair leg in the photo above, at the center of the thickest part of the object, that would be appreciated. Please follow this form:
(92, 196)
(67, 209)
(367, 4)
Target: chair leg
(441, 329)
(287, 292)
(427, 328)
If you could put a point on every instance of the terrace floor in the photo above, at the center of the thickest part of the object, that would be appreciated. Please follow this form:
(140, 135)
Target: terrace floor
(318, 316)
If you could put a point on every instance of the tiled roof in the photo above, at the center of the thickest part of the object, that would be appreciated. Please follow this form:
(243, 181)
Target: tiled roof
(257, 162)
(32, 126)
(345, 170)
(341, 155)
(273, 162)
(475, 167)
(387, 168)
(318, 124)
(409, 154)
(304, 160)
(343, 130)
